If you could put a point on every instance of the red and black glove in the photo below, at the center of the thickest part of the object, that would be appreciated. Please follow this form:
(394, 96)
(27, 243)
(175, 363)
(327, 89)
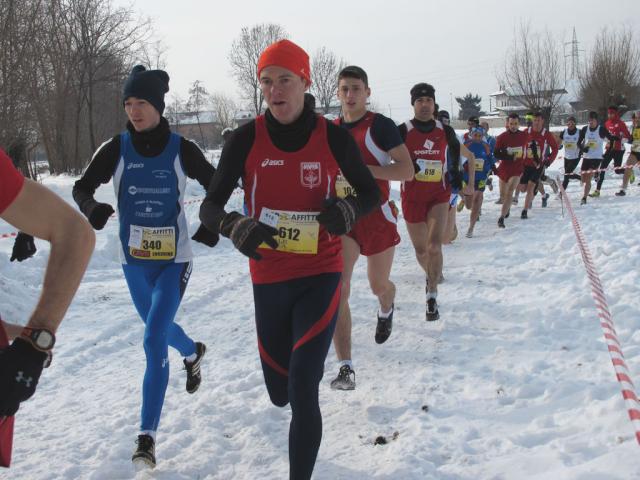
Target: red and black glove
(247, 233)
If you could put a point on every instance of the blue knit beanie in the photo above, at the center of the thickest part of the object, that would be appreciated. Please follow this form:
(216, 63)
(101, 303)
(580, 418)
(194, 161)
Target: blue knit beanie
(149, 85)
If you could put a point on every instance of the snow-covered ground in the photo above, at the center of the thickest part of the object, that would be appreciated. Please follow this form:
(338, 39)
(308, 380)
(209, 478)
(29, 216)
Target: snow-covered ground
(515, 383)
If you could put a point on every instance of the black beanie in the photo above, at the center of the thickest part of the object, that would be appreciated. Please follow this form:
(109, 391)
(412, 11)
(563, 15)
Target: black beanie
(422, 90)
(150, 85)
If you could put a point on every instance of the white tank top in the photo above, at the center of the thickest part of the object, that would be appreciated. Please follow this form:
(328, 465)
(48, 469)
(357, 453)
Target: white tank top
(570, 143)
(595, 142)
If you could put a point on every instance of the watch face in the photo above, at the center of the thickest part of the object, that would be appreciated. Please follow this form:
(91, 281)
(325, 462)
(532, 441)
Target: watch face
(44, 339)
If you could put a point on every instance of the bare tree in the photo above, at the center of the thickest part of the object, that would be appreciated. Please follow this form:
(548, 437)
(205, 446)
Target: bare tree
(612, 71)
(153, 54)
(198, 99)
(18, 133)
(175, 106)
(244, 55)
(225, 109)
(532, 70)
(325, 67)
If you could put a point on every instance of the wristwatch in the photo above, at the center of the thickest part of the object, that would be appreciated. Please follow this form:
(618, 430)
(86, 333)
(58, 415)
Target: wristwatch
(40, 338)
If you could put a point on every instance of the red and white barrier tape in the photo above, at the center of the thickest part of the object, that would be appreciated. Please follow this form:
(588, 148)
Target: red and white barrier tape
(606, 322)
(14, 234)
(609, 168)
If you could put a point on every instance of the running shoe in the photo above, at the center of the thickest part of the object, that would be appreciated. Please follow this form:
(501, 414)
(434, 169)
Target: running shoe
(383, 329)
(544, 200)
(432, 310)
(583, 201)
(146, 451)
(346, 379)
(621, 193)
(193, 368)
(501, 222)
(523, 215)
(595, 194)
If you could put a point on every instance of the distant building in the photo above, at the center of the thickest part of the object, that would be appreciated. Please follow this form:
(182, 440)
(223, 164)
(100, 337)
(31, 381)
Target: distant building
(509, 100)
(202, 127)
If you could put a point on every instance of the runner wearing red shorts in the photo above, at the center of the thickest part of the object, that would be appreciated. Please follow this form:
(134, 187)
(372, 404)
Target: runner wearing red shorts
(375, 235)
(425, 198)
(510, 148)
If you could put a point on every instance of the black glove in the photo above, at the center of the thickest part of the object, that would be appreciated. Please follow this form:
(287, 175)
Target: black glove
(206, 236)
(585, 149)
(20, 369)
(416, 167)
(509, 157)
(455, 178)
(98, 215)
(340, 215)
(24, 247)
(615, 138)
(247, 233)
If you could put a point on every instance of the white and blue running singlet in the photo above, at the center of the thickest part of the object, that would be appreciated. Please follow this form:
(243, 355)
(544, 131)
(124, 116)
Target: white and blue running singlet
(150, 191)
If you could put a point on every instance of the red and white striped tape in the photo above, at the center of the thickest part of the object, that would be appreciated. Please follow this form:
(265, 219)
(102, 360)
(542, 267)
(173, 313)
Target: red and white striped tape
(13, 234)
(606, 322)
(609, 168)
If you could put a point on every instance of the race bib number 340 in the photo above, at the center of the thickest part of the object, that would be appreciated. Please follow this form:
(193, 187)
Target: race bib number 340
(149, 243)
(430, 170)
(297, 231)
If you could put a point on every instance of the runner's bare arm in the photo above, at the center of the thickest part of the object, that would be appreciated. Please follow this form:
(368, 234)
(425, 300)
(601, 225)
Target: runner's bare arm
(471, 159)
(39, 212)
(401, 168)
(11, 329)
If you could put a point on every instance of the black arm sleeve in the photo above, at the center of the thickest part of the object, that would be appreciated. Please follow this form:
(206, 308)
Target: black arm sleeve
(230, 169)
(195, 165)
(604, 133)
(454, 145)
(402, 128)
(346, 152)
(385, 133)
(583, 133)
(99, 171)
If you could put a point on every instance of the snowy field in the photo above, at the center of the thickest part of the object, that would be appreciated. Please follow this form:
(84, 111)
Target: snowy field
(515, 382)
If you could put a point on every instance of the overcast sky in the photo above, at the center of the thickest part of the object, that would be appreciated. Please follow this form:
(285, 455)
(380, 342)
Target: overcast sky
(457, 45)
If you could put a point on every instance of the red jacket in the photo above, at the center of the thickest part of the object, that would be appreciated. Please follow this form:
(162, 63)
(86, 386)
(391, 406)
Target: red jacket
(618, 128)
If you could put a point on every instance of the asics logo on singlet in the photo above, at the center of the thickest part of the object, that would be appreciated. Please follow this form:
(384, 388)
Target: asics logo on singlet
(135, 165)
(272, 163)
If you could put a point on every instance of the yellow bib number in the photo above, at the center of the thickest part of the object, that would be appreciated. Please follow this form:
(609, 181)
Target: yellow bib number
(592, 144)
(636, 146)
(148, 243)
(343, 187)
(515, 151)
(430, 170)
(570, 145)
(297, 231)
(479, 164)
